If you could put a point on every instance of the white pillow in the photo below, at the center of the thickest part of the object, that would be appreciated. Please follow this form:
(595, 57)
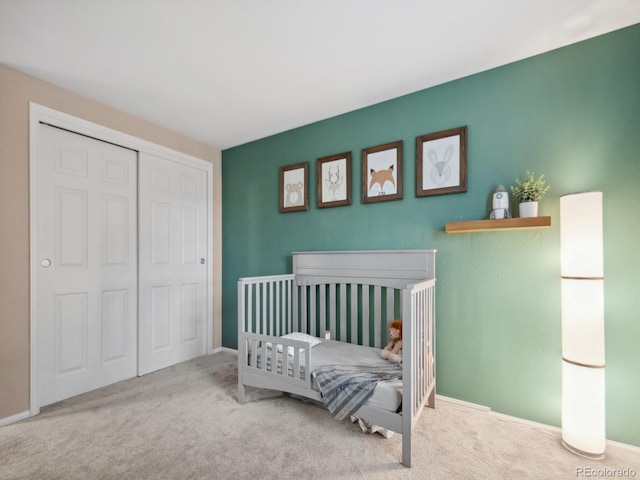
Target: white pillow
(303, 337)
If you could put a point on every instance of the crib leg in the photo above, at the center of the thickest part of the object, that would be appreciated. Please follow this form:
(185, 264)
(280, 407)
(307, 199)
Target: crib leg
(431, 401)
(406, 450)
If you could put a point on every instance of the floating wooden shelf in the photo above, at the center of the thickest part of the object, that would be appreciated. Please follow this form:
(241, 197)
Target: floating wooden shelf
(503, 224)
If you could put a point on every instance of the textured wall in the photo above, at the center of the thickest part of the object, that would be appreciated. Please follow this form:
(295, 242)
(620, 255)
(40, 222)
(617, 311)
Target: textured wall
(572, 114)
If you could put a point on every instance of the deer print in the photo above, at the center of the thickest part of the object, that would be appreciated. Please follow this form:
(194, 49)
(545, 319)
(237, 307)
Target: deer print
(334, 181)
(380, 177)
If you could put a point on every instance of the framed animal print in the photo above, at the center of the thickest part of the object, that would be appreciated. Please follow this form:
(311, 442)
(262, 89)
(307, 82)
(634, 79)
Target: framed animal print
(382, 173)
(441, 162)
(294, 191)
(334, 180)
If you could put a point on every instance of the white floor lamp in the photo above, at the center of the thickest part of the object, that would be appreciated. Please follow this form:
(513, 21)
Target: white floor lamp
(583, 362)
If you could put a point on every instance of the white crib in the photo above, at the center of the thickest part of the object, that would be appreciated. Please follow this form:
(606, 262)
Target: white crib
(349, 296)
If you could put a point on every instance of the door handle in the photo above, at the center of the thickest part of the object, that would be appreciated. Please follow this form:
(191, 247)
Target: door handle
(202, 261)
(45, 262)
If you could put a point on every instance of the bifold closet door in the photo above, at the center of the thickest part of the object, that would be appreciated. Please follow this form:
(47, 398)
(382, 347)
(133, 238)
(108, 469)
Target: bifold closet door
(173, 262)
(86, 268)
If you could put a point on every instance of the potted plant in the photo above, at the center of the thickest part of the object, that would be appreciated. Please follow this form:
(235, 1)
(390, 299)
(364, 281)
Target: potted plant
(528, 193)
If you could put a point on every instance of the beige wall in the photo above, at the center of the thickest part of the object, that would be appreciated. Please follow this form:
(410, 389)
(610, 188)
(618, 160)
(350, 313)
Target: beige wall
(16, 91)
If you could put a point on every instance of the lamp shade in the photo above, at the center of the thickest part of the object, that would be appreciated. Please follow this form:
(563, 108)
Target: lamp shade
(583, 321)
(581, 235)
(583, 420)
(583, 352)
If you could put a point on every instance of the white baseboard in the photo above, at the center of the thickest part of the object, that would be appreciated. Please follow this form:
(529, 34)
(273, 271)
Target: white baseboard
(542, 426)
(14, 418)
(626, 446)
(224, 349)
(508, 418)
(228, 350)
(461, 403)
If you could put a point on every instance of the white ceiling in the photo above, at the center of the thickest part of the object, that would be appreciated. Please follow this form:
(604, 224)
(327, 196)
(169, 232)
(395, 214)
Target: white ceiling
(226, 72)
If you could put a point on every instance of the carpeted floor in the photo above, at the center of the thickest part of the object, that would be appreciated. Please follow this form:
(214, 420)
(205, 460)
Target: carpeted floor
(183, 422)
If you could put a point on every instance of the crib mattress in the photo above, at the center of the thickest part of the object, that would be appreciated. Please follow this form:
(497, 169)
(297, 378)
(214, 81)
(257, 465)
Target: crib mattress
(387, 395)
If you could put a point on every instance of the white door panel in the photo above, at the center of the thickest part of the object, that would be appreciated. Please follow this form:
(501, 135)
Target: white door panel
(172, 262)
(87, 274)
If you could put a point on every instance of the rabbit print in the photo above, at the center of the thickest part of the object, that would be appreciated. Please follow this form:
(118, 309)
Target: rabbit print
(441, 169)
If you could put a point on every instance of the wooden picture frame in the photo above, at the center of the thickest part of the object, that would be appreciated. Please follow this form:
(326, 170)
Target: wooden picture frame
(334, 180)
(382, 173)
(294, 188)
(441, 162)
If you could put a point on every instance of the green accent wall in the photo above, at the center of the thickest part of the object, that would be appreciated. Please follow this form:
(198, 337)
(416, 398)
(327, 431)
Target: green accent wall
(572, 114)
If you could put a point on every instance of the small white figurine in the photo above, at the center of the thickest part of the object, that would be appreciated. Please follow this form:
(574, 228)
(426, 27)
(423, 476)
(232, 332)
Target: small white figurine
(500, 204)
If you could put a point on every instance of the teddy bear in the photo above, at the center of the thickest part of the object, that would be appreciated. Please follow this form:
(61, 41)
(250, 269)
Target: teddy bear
(393, 350)
(294, 194)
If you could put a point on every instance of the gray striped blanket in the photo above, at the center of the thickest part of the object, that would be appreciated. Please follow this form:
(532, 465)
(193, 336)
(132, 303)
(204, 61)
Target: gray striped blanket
(345, 388)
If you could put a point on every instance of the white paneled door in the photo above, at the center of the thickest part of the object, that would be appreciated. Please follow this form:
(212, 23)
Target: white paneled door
(87, 264)
(173, 262)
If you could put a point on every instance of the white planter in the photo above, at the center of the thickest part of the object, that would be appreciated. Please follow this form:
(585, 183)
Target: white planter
(528, 209)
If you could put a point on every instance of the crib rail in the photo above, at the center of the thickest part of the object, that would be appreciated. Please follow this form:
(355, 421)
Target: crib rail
(284, 360)
(264, 307)
(350, 312)
(419, 351)
(264, 304)
(418, 355)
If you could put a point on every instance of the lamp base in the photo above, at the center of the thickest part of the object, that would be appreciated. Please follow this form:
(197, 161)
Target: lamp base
(581, 453)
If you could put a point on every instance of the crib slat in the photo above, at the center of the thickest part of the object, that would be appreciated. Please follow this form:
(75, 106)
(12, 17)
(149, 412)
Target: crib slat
(416, 350)
(303, 311)
(390, 310)
(278, 314)
(364, 307)
(263, 356)
(424, 347)
(332, 309)
(290, 305)
(285, 361)
(265, 308)
(419, 311)
(323, 310)
(258, 322)
(425, 340)
(432, 336)
(354, 313)
(312, 311)
(253, 348)
(257, 308)
(377, 314)
(272, 309)
(343, 312)
(296, 363)
(296, 301)
(274, 358)
(248, 323)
